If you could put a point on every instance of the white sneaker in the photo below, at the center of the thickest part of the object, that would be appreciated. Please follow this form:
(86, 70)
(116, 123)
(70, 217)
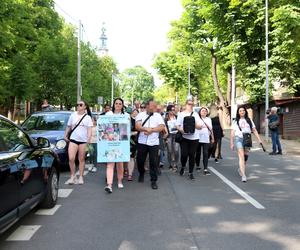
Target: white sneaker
(72, 180)
(80, 180)
(244, 178)
(90, 168)
(93, 170)
(120, 185)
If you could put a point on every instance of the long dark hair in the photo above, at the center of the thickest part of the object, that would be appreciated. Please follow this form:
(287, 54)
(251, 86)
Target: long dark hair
(246, 116)
(87, 106)
(113, 106)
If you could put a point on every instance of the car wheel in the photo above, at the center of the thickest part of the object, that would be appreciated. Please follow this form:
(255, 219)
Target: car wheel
(52, 190)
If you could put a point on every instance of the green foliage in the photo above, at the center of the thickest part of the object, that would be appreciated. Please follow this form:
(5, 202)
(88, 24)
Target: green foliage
(38, 58)
(234, 32)
(136, 83)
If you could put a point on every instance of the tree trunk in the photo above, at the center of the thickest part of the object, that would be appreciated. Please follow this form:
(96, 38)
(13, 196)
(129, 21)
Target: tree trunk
(222, 101)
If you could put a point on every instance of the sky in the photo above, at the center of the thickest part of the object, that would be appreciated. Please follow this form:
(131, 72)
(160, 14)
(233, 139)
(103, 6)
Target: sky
(136, 29)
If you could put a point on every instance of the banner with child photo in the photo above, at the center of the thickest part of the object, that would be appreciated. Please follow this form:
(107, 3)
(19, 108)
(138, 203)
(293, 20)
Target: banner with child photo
(113, 138)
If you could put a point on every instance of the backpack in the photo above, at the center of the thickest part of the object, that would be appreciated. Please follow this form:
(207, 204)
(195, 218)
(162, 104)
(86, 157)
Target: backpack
(189, 124)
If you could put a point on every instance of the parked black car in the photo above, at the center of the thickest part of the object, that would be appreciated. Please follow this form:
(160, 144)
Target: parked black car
(29, 173)
(51, 125)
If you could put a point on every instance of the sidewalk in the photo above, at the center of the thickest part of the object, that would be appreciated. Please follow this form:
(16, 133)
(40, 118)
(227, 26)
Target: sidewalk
(289, 147)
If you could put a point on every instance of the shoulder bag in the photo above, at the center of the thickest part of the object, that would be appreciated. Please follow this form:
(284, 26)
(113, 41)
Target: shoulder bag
(69, 134)
(247, 140)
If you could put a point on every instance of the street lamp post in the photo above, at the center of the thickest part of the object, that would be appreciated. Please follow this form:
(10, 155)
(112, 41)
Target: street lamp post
(112, 88)
(267, 71)
(79, 89)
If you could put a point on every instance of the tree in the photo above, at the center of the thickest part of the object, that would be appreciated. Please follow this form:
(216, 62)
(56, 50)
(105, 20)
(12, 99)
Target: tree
(137, 84)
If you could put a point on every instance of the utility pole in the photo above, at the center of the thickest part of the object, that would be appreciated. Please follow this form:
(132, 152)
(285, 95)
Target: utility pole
(189, 77)
(112, 88)
(79, 90)
(233, 86)
(267, 71)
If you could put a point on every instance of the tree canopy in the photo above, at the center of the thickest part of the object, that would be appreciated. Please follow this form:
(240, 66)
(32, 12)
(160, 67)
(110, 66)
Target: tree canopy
(38, 58)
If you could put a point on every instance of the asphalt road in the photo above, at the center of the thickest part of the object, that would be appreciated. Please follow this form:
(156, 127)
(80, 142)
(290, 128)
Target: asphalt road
(208, 213)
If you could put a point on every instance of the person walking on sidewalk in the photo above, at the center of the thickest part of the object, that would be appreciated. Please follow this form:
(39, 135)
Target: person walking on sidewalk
(206, 137)
(274, 128)
(149, 124)
(78, 133)
(241, 126)
(187, 123)
(117, 109)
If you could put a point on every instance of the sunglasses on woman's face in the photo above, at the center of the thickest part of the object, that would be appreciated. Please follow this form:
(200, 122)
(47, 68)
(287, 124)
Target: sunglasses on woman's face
(80, 104)
(142, 107)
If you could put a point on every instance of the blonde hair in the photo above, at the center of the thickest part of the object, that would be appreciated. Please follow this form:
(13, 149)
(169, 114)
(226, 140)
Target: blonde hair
(274, 109)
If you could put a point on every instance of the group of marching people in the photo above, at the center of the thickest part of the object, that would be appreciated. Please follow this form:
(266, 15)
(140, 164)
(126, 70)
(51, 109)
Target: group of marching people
(184, 134)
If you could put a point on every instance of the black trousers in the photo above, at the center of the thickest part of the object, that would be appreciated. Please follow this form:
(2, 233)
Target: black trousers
(188, 150)
(205, 148)
(142, 152)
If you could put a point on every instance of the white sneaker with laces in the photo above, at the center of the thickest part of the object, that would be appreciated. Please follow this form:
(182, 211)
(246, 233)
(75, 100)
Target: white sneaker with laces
(80, 180)
(93, 170)
(244, 178)
(72, 180)
(120, 185)
(90, 168)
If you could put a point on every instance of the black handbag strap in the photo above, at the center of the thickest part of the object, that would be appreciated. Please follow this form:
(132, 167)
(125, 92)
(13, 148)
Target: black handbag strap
(77, 125)
(146, 119)
(206, 125)
(240, 127)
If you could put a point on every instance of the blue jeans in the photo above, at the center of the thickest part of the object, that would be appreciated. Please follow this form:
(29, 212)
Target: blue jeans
(275, 142)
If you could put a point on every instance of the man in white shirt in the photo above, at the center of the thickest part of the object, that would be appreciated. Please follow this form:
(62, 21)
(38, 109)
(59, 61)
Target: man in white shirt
(149, 124)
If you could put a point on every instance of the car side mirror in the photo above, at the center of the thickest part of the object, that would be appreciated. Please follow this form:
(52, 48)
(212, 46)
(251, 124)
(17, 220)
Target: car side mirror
(43, 142)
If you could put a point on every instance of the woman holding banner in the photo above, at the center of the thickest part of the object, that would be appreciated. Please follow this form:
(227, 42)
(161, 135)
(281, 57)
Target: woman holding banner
(117, 109)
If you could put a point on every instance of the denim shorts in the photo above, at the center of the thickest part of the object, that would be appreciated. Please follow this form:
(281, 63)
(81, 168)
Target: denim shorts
(238, 142)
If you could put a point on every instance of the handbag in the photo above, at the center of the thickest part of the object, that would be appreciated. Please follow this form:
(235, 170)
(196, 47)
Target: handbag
(77, 124)
(247, 140)
(178, 137)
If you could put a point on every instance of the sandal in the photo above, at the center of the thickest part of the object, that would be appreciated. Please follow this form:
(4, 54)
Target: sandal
(129, 178)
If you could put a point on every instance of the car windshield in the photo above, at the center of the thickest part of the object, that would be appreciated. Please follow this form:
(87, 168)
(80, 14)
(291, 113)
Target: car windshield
(47, 121)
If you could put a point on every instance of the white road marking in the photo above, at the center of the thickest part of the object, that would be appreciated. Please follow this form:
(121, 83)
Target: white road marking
(23, 233)
(242, 193)
(64, 193)
(50, 211)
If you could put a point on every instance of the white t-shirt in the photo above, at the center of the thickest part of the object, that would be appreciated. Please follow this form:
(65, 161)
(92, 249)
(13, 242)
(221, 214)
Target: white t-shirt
(204, 132)
(172, 126)
(179, 122)
(80, 134)
(245, 127)
(154, 121)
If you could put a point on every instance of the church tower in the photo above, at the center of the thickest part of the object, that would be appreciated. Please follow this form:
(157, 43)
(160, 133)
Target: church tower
(103, 42)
